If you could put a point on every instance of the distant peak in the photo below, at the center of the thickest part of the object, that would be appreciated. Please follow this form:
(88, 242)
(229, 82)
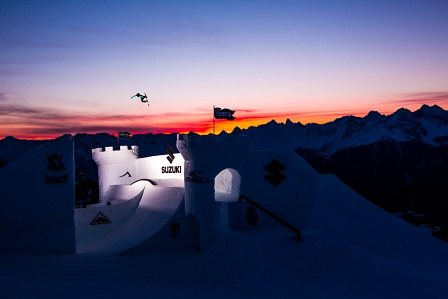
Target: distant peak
(65, 137)
(10, 138)
(426, 109)
(236, 130)
(402, 112)
(373, 115)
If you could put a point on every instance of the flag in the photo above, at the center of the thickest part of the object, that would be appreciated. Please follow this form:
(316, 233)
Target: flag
(224, 113)
(122, 134)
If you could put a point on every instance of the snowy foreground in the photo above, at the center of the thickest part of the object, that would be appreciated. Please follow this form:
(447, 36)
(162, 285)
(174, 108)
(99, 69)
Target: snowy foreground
(270, 264)
(350, 248)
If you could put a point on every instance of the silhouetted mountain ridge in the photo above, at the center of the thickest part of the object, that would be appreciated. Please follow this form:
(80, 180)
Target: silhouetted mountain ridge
(428, 125)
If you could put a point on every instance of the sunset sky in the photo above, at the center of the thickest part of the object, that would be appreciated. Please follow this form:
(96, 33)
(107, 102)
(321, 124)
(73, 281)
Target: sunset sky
(72, 66)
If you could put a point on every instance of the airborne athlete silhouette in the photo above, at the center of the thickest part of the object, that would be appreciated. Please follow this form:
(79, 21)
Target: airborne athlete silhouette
(142, 98)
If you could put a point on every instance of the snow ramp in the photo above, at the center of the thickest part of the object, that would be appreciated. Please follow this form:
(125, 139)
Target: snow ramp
(134, 218)
(342, 213)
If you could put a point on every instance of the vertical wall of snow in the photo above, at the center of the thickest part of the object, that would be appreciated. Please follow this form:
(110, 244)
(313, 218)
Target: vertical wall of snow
(37, 200)
(115, 167)
(159, 167)
(283, 183)
(205, 158)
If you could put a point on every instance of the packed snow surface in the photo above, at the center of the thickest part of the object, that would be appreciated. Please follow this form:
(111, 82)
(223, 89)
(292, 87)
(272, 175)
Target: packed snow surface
(349, 249)
(321, 266)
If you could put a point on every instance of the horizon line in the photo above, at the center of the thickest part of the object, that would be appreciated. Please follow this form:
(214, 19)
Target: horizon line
(204, 128)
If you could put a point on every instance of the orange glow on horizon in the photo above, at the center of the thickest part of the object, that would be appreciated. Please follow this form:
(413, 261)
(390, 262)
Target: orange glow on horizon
(201, 128)
(44, 128)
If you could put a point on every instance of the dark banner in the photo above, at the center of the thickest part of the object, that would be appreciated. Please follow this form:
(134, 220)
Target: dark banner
(224, 113)
(122, 134)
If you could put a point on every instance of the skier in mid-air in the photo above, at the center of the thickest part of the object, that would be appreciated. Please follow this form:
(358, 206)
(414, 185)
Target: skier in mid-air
(142, 98)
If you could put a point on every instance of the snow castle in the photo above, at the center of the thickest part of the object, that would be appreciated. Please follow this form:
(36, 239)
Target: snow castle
(202, 187)
(180, 200)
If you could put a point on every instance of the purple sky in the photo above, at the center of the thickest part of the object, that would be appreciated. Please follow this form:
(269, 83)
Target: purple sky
(72, 66)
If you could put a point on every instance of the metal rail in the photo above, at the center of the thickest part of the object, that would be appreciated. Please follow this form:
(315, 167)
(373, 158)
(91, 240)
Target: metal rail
(266, 211)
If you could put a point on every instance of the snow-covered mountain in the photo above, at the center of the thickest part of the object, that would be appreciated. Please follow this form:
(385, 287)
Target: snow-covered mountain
(428, 125)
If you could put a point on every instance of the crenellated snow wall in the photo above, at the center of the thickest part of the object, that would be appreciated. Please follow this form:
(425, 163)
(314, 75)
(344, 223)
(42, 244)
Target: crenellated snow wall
(115, 167)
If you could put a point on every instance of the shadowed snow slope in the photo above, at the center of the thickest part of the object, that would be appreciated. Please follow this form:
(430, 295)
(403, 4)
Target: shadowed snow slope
(342, 213)
(322, 266)
(351, 249)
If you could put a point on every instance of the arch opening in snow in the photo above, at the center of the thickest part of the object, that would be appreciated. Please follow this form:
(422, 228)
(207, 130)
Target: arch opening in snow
(227, 185)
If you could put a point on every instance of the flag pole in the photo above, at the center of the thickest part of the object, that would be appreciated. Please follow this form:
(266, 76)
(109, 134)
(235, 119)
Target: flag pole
(213, 122)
